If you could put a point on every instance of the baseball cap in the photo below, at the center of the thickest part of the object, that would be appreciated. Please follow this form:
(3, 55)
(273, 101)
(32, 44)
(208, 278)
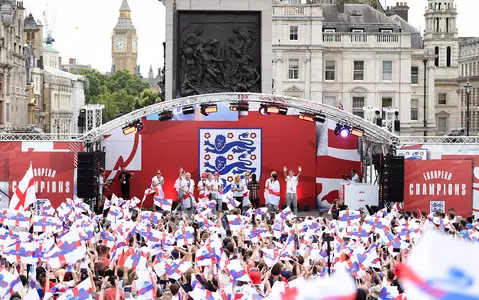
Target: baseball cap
(204, 175)
(217, 174)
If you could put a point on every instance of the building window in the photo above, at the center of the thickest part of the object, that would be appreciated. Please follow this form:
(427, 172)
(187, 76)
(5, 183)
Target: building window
(7, 112)
(386, 102)
(448, 56)
(358, 70)
(436, 52)
(358, 104)
(293, 69)
(437, 25)
(293, 33)
(414, 75)
(33, 35)
(442, 124)
(357, 30)
(386, 31)
(329, 100)
(28, 36)
(442, 99)
(387, 70)
(329, 30)
(414, 110)
(447, 25)
(330, 70)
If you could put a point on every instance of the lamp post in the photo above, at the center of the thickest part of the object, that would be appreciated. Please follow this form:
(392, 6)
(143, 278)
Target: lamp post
(468, 88)
(426, 58)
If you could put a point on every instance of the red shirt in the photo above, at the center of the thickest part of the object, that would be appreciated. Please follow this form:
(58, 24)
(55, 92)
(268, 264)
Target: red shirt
(110, 294)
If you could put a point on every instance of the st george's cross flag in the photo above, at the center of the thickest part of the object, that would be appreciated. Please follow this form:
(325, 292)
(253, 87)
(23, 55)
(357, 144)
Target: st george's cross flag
(24, 194)
(441, 267)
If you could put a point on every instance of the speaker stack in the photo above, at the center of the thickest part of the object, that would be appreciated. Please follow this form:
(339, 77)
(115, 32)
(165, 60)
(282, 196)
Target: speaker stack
(87, 176)
(393, 179)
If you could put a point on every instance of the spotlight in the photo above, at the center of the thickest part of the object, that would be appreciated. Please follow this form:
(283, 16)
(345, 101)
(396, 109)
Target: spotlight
(165, 115)
(283, 111)
(312, 117)
(188, 110)
(207, 109)
(345, 131)
(239, 106)
(357, 132)
(263, 110)
(272, 109)
(133, 127)
(129, 129)
(337, 130)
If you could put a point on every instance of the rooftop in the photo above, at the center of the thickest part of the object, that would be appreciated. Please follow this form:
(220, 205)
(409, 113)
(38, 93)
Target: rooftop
(60, 73)
(355, 14)
(125, 6)
(30, 23)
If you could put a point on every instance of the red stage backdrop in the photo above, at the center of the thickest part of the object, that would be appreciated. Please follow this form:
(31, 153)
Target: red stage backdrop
(285, 141)
(438, 185)
(53, 166)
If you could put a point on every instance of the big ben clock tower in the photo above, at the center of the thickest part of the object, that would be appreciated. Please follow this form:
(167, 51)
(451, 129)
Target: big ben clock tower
(124, 42)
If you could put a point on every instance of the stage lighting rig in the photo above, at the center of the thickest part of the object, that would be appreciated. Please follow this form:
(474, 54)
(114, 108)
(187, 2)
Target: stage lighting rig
(207, 109)
(165, 115)
(133, 127)
(188, 110)
(239, 106)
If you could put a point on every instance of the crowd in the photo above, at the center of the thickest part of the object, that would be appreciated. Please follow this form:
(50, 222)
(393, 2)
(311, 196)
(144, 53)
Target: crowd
(219, 245)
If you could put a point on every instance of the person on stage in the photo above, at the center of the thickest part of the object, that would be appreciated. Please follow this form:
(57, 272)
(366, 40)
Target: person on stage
(354, 176)
(188, 188)
(203, 187)
(237, 188)
(266, 192)
(291, 187)
(157, 180)
(216, 191)
(179, 190)
(246, 200)
(124, 177)
(274, 192)
(253, 187)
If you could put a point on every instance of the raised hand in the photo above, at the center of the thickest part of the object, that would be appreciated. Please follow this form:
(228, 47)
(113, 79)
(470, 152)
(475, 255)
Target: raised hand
(300, 169)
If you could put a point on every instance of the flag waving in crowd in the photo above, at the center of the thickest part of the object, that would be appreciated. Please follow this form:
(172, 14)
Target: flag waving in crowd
(24, 194)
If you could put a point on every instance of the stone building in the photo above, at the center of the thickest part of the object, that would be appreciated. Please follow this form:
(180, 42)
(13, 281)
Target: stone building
(124, 42)
(73, 66)
(469, 72)
(63, 97)
(357, 54)
(13, 97)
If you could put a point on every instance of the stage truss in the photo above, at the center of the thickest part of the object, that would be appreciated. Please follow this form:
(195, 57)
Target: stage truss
(373, 133)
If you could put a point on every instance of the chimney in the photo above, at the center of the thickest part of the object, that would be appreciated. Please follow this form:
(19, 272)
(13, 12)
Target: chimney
(401, 9)
(73, 61)
(340, 4)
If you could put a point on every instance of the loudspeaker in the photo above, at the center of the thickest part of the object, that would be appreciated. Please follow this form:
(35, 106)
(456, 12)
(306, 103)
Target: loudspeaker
(101, 159)
(87, 175)
(397, 125)
(82, 118)
(307, 207)
(393, 179)
(379, 122)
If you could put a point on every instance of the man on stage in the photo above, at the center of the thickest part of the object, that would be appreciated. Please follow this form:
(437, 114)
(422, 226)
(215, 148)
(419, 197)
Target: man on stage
(125, 178)
(188, 187)
(291, 187)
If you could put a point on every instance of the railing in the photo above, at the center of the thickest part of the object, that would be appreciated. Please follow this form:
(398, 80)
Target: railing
(367, 40)
(428, 140)
(296, 10)
(39, 137)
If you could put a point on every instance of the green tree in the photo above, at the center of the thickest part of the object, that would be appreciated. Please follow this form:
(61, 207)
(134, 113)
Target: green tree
(120, 92)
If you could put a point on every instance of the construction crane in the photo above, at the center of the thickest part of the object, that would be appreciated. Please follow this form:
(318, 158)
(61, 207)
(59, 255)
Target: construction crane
(50, 26)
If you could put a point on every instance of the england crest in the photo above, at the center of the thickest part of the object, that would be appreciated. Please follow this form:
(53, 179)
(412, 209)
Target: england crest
(230, 152)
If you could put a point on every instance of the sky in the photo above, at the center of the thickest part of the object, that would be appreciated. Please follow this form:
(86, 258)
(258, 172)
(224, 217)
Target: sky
(83, 29)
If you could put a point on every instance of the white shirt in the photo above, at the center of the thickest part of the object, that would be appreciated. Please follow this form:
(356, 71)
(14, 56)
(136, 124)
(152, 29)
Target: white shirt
(355, 178)
(274, 187)
(240, 186)
(157, 182)
(215, 186)
(206, 183)
(291, 184)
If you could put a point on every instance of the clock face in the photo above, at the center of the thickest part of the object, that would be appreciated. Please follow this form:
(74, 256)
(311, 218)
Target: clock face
(133, 45)
(120, 45)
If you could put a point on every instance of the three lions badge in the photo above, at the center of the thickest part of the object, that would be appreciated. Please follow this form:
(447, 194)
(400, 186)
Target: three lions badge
(230, 152)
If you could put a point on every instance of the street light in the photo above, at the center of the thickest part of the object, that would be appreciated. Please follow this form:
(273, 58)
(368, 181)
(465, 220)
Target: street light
(468, 88)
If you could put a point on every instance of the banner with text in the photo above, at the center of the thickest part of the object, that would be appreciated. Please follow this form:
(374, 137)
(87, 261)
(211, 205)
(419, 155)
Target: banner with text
(437, 185)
